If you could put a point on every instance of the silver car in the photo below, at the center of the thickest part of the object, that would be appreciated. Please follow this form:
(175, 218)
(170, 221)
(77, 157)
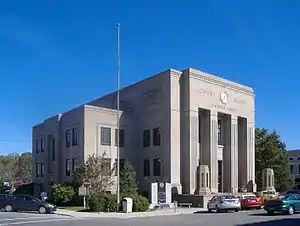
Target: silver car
(224, 203)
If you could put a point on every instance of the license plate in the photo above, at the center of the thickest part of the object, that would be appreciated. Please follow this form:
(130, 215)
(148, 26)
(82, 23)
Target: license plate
(252, 200)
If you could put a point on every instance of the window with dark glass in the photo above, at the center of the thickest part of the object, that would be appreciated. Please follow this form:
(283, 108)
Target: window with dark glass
(106, 167)
(121, 137)
(298, 168)
(146, 138)
(53, 149)
(219, 130)
(291, 169)
(74, 136)
(42, 144)
(75, 164)
(156, 167)
(122, 163)
(156, 136)
(68, 138)
(42, 170)
(37, 168)
(105, 136)
(68, 167)
(146, 167)
(37, 145)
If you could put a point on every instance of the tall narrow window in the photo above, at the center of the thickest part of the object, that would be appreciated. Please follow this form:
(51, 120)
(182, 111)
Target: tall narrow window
(68, 167)
(146, 168)
(105, 136)
(42, 144)
(122, 164)
(219, 130)
(146, 138)
(292, 169)
(156, 136)
(74, 136)
(37, 145)
(106, 166)
(75, 164)
(156, 167)
(37, 168)
(53, 149)
(42, 170)
(121, 137)
(298, 168)
(68, 138)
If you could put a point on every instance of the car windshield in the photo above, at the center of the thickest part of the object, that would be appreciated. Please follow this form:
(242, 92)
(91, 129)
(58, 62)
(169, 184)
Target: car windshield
(287, 197)
(249, 196)
(36, 199)
(269, 193)
(227, 197)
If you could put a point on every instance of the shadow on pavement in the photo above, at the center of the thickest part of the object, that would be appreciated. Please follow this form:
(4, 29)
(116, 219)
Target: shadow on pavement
(265, 214)
(285, 222)
(202, 211)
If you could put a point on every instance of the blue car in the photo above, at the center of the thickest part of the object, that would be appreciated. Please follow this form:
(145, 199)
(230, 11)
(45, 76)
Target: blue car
(26, 203)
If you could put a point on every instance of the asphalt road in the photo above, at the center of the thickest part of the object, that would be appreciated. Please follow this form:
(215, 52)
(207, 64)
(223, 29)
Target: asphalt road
(245, 218)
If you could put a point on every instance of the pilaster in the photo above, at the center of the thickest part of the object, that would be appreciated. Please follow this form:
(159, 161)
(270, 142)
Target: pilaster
(213, 151)
(234, 154)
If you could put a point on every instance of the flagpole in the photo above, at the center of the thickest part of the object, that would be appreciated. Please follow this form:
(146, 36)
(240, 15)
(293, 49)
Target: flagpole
(118, 118)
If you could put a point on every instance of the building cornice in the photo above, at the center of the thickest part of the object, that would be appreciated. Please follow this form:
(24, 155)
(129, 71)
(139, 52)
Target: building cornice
(193, 73)
(100, 109)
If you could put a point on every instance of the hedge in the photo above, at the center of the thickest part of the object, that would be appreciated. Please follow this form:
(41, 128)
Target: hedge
(107, 202)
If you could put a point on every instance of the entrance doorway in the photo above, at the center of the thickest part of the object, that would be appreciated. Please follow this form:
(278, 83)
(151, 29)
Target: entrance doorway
(220, 176)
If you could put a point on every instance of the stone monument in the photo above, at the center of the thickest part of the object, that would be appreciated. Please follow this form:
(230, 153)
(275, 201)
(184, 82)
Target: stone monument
(268, 179)
(203, 177)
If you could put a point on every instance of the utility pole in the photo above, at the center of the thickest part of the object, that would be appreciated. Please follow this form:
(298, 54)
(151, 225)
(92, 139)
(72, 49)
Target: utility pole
(118, 119)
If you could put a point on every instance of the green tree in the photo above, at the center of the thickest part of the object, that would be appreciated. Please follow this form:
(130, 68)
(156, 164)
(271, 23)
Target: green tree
(270, 152)
(23, 167)
(128, 183)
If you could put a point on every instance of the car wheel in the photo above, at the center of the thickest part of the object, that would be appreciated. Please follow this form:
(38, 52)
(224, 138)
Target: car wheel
(42, 210)
(291, 210)
(217, 209)
(8, 208)
(236, 210)
(270, 212)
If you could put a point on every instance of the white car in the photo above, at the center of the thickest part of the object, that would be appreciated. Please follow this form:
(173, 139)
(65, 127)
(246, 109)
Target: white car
(224, 203)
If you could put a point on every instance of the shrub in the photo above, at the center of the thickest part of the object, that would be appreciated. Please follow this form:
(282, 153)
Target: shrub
(62, 194)
(103, 203)
(140, 203)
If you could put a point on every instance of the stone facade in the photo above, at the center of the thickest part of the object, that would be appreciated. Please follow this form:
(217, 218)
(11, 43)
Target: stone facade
(294, 158)
(172, 123)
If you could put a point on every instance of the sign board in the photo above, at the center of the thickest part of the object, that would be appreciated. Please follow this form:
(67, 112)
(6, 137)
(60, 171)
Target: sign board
(86, 183)
(83, 191)
(161, 193)
(44, 196)
(6, 184)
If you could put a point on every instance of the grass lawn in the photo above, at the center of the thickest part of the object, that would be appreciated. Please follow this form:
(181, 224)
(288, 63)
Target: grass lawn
(73, 208)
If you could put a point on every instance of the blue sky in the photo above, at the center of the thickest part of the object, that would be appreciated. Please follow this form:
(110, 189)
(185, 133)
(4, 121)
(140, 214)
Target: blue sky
(49, 49)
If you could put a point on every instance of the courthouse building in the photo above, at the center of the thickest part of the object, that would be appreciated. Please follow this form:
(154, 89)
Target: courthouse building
(294, 158)
(170, 124)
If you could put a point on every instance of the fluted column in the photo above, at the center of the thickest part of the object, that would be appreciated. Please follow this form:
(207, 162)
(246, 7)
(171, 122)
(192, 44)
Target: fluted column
(234, 154)
(213, 151)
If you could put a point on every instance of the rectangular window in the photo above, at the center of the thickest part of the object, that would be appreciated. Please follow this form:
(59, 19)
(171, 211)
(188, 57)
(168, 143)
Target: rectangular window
(105, 136)
(53, 149)
(292, 169)
(121, 137)
(122, 163)
(106, 166)
(68, 167)
(42, 144)
(298, 168)
(42, 170)
(37, 145)
(74, 136)
(219, 130)
(146, 138)
(75, 164)
(156, 136)
(68, 138)
(146, 168)
(37, 168)
(156, 167)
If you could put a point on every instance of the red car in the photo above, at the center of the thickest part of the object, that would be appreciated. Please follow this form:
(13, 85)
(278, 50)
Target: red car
(250, 201)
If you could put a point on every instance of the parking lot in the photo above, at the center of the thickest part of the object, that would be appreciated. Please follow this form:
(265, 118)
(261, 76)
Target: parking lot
(242, 218)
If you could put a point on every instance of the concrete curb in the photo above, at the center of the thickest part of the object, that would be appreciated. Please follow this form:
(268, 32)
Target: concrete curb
(122, 215)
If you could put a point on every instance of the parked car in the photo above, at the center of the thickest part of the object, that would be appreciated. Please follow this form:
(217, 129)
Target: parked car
(289, 203)
(3, 197)
(26, 203)
(268, 195)
(292, 192)
(250, 201)
(224, 203)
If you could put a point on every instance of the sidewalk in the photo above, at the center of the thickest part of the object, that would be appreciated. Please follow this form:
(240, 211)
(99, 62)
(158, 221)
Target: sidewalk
(161, 212)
